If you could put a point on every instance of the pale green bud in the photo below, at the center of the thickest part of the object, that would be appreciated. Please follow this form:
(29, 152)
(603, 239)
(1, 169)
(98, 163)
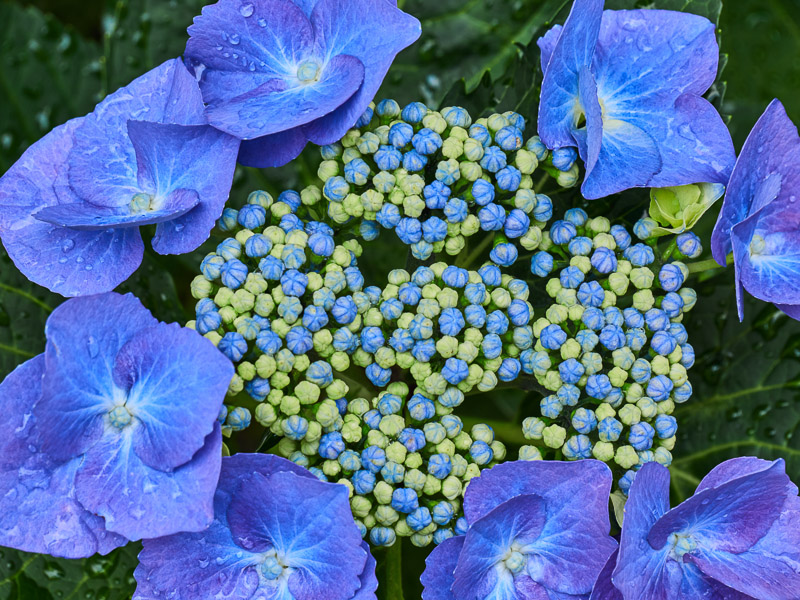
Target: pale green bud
(552, 381)
(201, 287)
(311, 195)
(473, 336)
(463, 441)
(660, 365)
(383, 493)
(435, 121)
(375, 438)
(413, 206)
(568, 179)
(435, 384)
(676, 355)
(584, 263)
(465, 351)
(415, 479)
(592, 362)
(626, 457)
(392, 425)
(447, 346)
(396, 452)
(473, 471)
(666, 407)
(499, 450)
(618, 376)
(432, 486)
(452, 148)
(618, 282)
(530, 453)
(447, 298)
(634, 392)
(571, 349)
(668, 443)
(643, 300)
(501, 298)
(603, 451)
(526, 161)
(265, 414)
(331, 468)
(362, 358)
(223, 297)
(603, 411)
(451, 487)
(360, 506)
(471, 225)
(678, 375)
(642, 278)
(630, 414)
(386, 515)
(568, 298)
(554, 436)
(339, 361)
(246, 371)
(286, 447)
(557, 313)
(446, 447)
(290, 405)
(327, 413)
(235, 386)
(648, 408)
(385, 357)
(576, 312)
(420, 371)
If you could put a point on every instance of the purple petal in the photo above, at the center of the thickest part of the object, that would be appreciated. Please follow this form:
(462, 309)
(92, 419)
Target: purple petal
(559, 104)
(374, 33)
(38, 512)
(369, 581)
(84, 336)
(88, 217)
(209, 560)
(642, 571)
(273, 150)
(138, 501)
(175, 381)
(547, 44)
(65, 261)
(767, 247)
(792, 310)
(102, 164)
(575, 540)
(277, 105)
(604, 588)
(732, 469)
(517, 522)
(767, 167)
(287, 513)
(440, 566)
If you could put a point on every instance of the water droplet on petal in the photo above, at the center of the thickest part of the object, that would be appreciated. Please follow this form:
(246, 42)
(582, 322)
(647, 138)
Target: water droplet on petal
(67, 245)
(247, 10)
(262, 23)
(93, 347)
(234, 39)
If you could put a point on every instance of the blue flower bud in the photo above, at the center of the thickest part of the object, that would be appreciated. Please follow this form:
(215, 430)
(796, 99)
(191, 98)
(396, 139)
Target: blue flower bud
(571, 277)
(372, 339)
(577, 447)
(412, 439)
(481, 453)
(344, 310)
(293, 282)
(434, 230)
(682, 393)
(436, 195)
(687, 360)
(621, 237)
(355, 280)
(405, 500)
(443, 513)
(382, 536)
(564, 158)
(493, 159)
(409, 294)
(233, 273)
(373, 459)
(475, 315)
(252, 216)
(508, 178)
(451, 398)
(295, 427)
(626, 481)
(670, 277)
(584, 420)
(612, 337)
(378, 375)
(451, 321)
(388, 108)
(420, 327)
(656, 319)
(268, 342)
(689, 245)
(593, 318)
(571, 370)
(640, 371)
(414, 112)
(336, 189)
(504, 254)
(372, 418)
(293, 257)
(553, 337)
(421, 408)
(678, 331)
(497, 322)
(490, 275)
(644, 228)
(320, 373)
(509, 139)
(663, 343)
(414, 162)
(666, 426)
(401, 340)
(363, 482)
(509, 369)
(271, 268)
(640, 255)
(229, 249)
(320, 244)
(480, 133)
(208, 321)
(291, 223)
(576, 216)
(635, 339)
(461, 526)
(365, 118)
(633, 318)
(455, 370)
(350, 461)
(517, 223)
(580, 246)
(238, 419)
(419, 519)
(550, 407)
(211, 266)
(440, 465)
(298, 340)
(400, 135)
(604, 260)
(659, 388)
(613, 316)
(388, 158)
(456, 116)
(390, 404)
(345, 341)
(391, 309)
(409, 230)
(331, 445)
(641, 436)
(518, 313)
(426, 141)
(562, 232)
(609, 429)
(492, 217)
(233, 345)
(544, 208)
(228, 220)
(598, 386)
(587, 339)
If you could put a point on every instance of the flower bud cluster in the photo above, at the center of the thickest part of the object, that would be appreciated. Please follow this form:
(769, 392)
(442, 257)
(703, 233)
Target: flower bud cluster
(611, 349)
(406, 466)
(438, 179)
(278, 298)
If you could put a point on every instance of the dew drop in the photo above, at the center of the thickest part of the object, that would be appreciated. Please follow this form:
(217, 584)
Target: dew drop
(67, 245)
(247, 10)
(63, 260)
(93, 347)
(234, 39)
(262, 23)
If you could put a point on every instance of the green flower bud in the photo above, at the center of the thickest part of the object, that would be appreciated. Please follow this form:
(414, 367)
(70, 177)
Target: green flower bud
(659, 365)
(624, 267)
(553, 287)
(689, 297)
(603, 451)
(339, 361)
(451, 487)
(634, 392)
(385, 515)
(413, 206)
(246, 370)
(392, 425)
(473, 471)
(384, 356)
(337, 389)
(576, 312)
(466, 351)
(567, 298)
(618, 282)
(452, 149)
(420, 371)
(447, 346)
(376, 438)
(629, 414)
(679, 208)
(592, 362)
(415, 479)
(235, 386)
(383, 494)
(571, 349)
(290, 405)
(327, 413)
(311, 195)
(470, 226)
(552, 381)
(618, 376)
(201, 287)
(554, 436)
(603, 411)
(501, 298)
(648, 408)
(584, 263)
(642, 278)
(435, 384)
(643, 300)
(463, 441)
(626, 457)
(265, 414)
(432, 486)
(435, 121)
(331, 468)
(568, 179)
(446, 447)
(307, 392)
(557, 313)
(447, 298)
(261, 198)
(526, 161)
(360, 506)
(223, 297)
(362, 358)
(666, 407)
(678, 375)
(499, 450)
(256, 284)
(286, 447)
(668, 443)
(473, 336)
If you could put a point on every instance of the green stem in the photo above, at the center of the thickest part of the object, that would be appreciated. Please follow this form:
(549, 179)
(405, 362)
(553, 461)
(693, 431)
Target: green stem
(394, 570)
(704, 266)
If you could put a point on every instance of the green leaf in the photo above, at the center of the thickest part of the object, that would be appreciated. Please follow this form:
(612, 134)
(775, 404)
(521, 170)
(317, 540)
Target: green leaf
(25, 576)
(746, 386)
(24, 308)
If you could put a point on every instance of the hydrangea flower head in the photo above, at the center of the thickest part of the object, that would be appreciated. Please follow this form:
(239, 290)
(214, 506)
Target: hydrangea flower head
(118, 407)
(536, 530)
(760, 217)
(278, 532)
(626, 88)
(70, 208)
(281, 72)
(737, 537)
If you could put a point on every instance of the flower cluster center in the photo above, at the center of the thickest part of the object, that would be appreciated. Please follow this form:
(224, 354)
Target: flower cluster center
(308, 71)
(120, 417)
(681, 543)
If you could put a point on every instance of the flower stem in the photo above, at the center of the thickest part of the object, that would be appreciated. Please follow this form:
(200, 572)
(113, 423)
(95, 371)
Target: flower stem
(394, 570)
(704, 266)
